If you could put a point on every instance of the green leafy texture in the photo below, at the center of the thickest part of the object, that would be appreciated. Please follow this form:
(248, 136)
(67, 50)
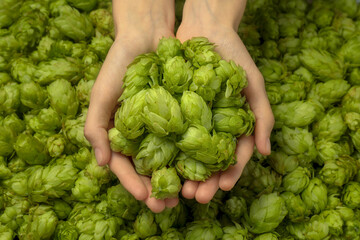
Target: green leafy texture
(305, 75)
(205, 211)
(283, 163)
(190, 168)
(142, 73)
(205, 82)
(250, 34)
(234, 207)
(298, 142)
(321, 16)
(355, 137)
(297, 210)
(84, 5)
(7, 140)
(331, 127)
(86, 187)
(6, 233)
(332, 38)
(203, 229)
(172, 233)
(32, 95)
(289, 24)
(154, 153)
(225, 143)
(322, 64)
(22, 69)
(351, 100)
(52, 181)
(12, 215)
(101, 45)
(330, 92)
(4, 78)
(73, 24)
(122, 203)
(329, 151)
(177, 75)
(31, 149)
(39, 224)
(165, 183)
(316, 228)
(195, 110)
(162, 113)
(65, 48)
(354, 78)
(267, 236)
(344, 25)
(16, 164)
(46, 122)
(292, 62)
(236, 121)
(270, 49)
(13, 123)
(168, 48)
(232, 76)
(297, 180)
(350, 195)
(200, 52)
(82, 158)
(233, 101)
(9, 12)
(103, 20)
(266, 213)
(61, 208)
(145, 225)
(5, 172)
(55, 145)
(234, 232)
(315, 195)
(272, 70)
(63, 98)
(9, 98)
(29, 28)
(128, 118)
(59, 68)
(171, 217)
(130, 236)
(289, 45)
(74, 130)
(334, 221)
(270, 28)
(338, 171)
(118, 143)
(65, 231)
(296, 114)
(43, 49)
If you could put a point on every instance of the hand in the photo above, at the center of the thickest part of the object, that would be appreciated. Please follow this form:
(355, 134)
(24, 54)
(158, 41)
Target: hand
(136, 33)
(218, 21)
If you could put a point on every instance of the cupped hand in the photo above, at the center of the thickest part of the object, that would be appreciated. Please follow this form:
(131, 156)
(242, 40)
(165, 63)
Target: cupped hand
(136, 33)
(222, 32)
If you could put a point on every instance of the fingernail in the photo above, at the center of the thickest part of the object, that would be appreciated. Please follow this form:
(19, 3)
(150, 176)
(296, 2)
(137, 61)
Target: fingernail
(98, 156)
(268, 146)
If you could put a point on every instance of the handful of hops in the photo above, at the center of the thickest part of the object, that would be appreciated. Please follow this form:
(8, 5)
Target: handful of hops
(181, 110)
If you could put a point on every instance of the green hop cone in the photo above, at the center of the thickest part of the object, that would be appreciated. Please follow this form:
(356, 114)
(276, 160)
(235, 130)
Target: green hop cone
(331, 127)
(355, 138)
(289, 24)
(168, 48)
(73, 24)
(350, 195)
(165, 183)
(103, 20)
(65, 231)
(6, 233)
(190, 168)
(289, 45)
(199, 51)
(31, 149)
(121, 203)
(195, 110)
(171, 217)
(9, 12)
(338, 171)
(316, 228)
(352, 120)
(297, 210)
(162, 113)
(329, 151)
(119, 143)
(233, 101)
(86, 187)
(296, 114)
(236, 232)
(226, 146)
(203, 230)
(128, 118)
(74, 130)
(329, 92)
(267, 236)
(322, 64)
(145, 225)
(17, 164)
(351, 100)
(83, 4)
(205, 82)
(63, 98)
(7, 140)
(5, 172)
(272, 70)
(292, 62)
(142, 73)
(9, 98)
(266, 213)
(349, 51)
(55, 145)
(172, 233)
(47, 121)
(101, 45)
(315, 195)
(236, 121)
(297, 180)
(83, 91)
(234, 207)
(154, 153)
(32, 95)
(270, 49)
(334, 221)
(177, 75)
(283, 163)
(61, 208)
(22, 69)
(354, 78)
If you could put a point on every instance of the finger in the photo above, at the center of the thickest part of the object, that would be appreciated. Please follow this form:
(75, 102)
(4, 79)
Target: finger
(121, 166)
(155, 205)
(171, 202)
(207, 189)
(189, 189)
(243, 153)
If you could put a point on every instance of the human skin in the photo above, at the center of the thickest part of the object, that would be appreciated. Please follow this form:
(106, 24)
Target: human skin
(139, 25)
